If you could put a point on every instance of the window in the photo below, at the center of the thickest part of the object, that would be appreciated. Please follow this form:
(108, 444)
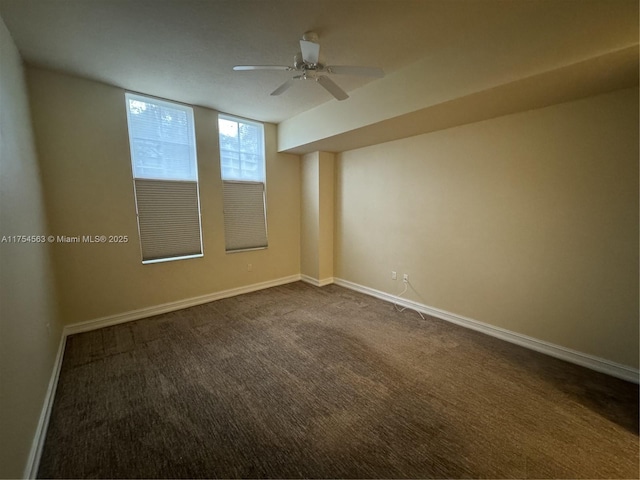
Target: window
(165, 173)
(242, 168)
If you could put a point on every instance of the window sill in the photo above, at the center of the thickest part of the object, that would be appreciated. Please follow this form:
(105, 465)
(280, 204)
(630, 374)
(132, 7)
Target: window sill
(171, 259)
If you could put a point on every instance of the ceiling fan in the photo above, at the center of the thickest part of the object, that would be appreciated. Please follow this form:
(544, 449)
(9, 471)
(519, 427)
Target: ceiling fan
(307, 62)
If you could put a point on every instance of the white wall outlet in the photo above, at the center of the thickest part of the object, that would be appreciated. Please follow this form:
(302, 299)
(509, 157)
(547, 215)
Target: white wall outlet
(405, 278)
(394, 276)
(249, 267)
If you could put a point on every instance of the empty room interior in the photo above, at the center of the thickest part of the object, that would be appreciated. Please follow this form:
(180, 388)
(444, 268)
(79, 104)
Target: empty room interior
(319, 239)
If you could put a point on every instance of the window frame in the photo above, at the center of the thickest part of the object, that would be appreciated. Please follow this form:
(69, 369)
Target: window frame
(230, 181)
(193, 157)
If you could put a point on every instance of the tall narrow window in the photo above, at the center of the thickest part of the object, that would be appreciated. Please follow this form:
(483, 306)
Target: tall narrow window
(165, 173)
(242, 168)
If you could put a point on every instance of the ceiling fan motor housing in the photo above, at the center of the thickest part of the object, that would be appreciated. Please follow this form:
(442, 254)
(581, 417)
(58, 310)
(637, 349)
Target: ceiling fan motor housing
(310, 37)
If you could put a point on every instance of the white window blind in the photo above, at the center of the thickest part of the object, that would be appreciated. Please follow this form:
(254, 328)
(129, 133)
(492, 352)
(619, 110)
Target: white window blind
(168, 218)
(164, 164)
(244, 215)
(242, 167)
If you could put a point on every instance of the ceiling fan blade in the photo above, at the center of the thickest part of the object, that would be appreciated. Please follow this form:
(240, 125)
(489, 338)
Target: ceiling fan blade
(240, 68)
(283, 87)
(310, 51)
(359, 71)
(331, 87)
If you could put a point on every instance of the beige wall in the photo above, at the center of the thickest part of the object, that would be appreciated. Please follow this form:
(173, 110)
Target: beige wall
(316, 236)
(29, 328)
(326, 165)
(81, 132)
(527, 222)
(310, 213)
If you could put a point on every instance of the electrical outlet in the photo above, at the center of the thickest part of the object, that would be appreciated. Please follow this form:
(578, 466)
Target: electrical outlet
(394, 276)
(249, 267)
(405, 278)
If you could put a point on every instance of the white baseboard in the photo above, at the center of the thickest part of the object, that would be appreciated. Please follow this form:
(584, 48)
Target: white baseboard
(33, 461)
(315, 281)
(173, 306)
(573, 356)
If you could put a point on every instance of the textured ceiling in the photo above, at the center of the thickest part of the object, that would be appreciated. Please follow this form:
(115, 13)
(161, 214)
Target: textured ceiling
(185, 49)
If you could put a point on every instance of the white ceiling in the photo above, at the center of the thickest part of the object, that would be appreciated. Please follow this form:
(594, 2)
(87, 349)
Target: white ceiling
(185, 49)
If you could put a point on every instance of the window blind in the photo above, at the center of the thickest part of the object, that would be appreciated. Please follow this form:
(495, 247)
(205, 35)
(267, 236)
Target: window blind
(244, 215)
(168, 218)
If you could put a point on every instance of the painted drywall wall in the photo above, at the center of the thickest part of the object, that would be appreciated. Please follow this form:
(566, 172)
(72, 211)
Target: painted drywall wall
(316, 233)
(29, 329)
(527, 222)
(309, 215)
(81, 132)
(612, 71)
(326, 165)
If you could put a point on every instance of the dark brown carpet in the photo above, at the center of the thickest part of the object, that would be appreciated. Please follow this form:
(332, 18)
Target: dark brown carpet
(298, 381)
